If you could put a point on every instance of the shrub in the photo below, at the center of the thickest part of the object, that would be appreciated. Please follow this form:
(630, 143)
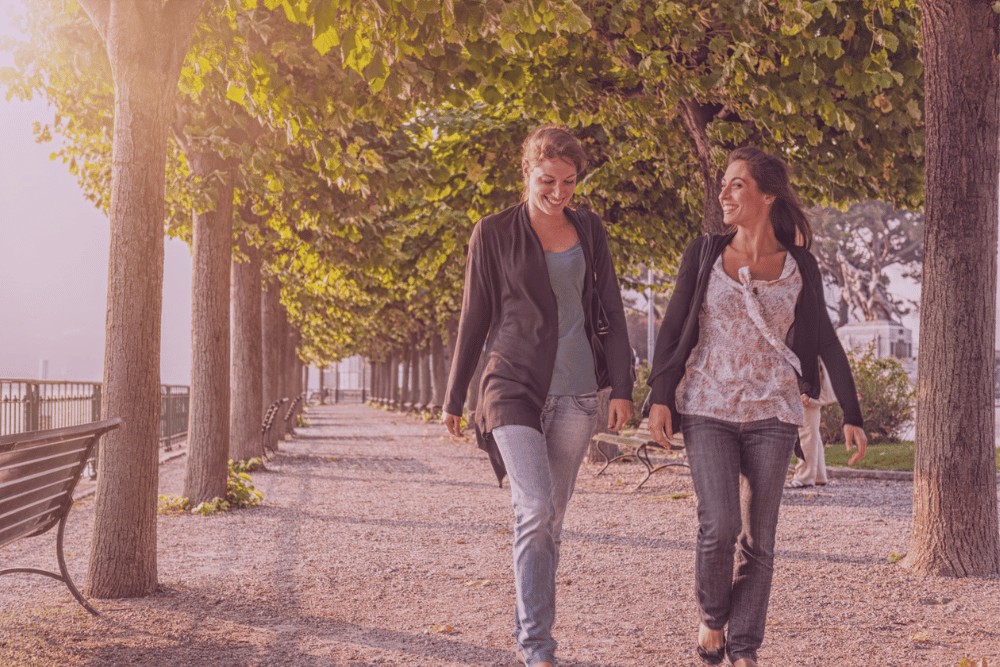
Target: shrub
(886, 396)
(240, 493)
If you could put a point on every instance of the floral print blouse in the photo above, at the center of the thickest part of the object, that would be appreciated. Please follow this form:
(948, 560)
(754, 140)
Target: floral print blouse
(741, 370)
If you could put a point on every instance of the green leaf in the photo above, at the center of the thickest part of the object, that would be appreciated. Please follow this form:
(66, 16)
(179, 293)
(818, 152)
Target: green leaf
(236, 93)
(325, 33)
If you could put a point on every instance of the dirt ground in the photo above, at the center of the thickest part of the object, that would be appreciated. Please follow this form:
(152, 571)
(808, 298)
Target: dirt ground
(383, 541)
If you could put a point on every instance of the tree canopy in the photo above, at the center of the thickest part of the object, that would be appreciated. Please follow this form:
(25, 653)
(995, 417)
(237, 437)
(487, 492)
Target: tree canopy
(370, 136)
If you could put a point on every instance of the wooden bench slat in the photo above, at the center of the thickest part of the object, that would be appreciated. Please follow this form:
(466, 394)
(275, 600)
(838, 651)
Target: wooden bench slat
(14, 488)
(55, 485)
(31, 523)
(42, 452)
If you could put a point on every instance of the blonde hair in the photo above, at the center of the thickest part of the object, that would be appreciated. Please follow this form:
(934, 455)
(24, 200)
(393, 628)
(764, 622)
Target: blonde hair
(550, 142)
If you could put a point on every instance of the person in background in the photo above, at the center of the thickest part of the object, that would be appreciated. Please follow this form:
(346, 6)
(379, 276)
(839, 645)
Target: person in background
(810, 469)
(740, 343)
(540, 289)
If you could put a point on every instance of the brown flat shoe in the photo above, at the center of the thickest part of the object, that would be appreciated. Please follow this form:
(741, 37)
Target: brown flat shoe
(711, 656)
(521, 659)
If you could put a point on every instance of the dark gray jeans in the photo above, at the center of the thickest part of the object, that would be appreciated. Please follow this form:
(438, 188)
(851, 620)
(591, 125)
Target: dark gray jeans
(739, 473)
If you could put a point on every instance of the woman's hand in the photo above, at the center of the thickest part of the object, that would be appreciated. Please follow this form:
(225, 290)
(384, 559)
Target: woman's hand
(453, 424)
(660, 425)
(619, 412)
(855, 437)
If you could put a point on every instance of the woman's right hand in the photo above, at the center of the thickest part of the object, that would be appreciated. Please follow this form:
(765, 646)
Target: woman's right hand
(660, 425)
(453, 423)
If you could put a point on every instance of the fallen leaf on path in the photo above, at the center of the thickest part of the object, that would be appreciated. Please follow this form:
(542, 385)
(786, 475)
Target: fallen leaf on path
(477, 583)
(922, 636)
(443, 628)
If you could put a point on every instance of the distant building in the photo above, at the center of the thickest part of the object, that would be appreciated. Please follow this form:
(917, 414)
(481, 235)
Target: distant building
(891, 340)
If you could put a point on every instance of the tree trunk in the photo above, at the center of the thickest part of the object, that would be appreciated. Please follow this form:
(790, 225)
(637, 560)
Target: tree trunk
(206, 474)
(955, 526)
(426, 396)
(146, 46)
(375, 393)
(440, 377)
(392, 375)
(383, 381)
(404, 383)
(246, 383)
(271, 342)
(286, 370)
(696, 118)
(414, 402)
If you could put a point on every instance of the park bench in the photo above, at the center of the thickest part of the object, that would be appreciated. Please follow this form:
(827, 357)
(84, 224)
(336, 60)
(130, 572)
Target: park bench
(639, 446)
(38, 472)
(269, 438)
(292, 414)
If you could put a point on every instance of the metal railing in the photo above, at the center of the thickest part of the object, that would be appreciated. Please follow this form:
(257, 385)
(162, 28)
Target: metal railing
(32, 405)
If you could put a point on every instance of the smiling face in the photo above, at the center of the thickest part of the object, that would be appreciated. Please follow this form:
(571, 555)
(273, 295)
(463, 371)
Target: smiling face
(550, 185)
(743, 204)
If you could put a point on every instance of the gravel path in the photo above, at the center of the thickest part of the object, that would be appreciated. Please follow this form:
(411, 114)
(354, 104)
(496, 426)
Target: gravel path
(382, 541)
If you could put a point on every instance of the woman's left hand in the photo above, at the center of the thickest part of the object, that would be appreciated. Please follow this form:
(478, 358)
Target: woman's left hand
(855, 437)
(619, 412)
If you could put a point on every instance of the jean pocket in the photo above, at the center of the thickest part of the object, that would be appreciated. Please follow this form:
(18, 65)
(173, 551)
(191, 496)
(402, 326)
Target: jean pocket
(586, 403)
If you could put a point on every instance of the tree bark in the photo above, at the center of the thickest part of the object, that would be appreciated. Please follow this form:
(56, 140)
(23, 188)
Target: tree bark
(146, 46)
(246, 383)
(392, 375)
(406, 358)
(271, 342)
(438, 373)
(955, 523)
(414, 402)
(426, 396)
(206, 474)
(286, 370)
(696, 118)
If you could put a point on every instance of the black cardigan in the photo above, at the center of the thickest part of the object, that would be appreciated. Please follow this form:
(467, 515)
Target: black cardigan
(508, 303)
(810, 336)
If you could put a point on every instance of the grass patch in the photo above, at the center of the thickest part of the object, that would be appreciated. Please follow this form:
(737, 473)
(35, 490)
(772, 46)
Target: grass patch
(880, 456)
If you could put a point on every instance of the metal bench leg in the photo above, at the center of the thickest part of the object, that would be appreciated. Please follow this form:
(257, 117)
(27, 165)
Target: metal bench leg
(64, 577)
(65, 572)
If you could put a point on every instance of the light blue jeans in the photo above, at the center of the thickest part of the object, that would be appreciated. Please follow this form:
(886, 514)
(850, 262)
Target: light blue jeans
(738, 470)
(542, 468)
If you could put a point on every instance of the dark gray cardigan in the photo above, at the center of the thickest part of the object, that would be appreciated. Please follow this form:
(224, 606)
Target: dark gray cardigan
(811, 335)
(508, 303)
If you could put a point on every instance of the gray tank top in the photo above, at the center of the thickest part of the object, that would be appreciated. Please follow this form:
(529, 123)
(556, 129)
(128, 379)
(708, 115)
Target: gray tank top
(574, 370)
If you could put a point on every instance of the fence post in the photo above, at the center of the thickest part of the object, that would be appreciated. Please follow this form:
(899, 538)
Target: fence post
(167, 410)
(95, 410)
(31, 406)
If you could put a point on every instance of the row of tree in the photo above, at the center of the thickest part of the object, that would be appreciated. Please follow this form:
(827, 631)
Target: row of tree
(352, 145)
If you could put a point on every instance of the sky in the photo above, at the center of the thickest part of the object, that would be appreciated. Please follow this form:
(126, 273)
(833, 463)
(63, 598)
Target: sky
(54, 267)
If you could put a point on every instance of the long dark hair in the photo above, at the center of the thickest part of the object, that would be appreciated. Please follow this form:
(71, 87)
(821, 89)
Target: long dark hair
(787, 217)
